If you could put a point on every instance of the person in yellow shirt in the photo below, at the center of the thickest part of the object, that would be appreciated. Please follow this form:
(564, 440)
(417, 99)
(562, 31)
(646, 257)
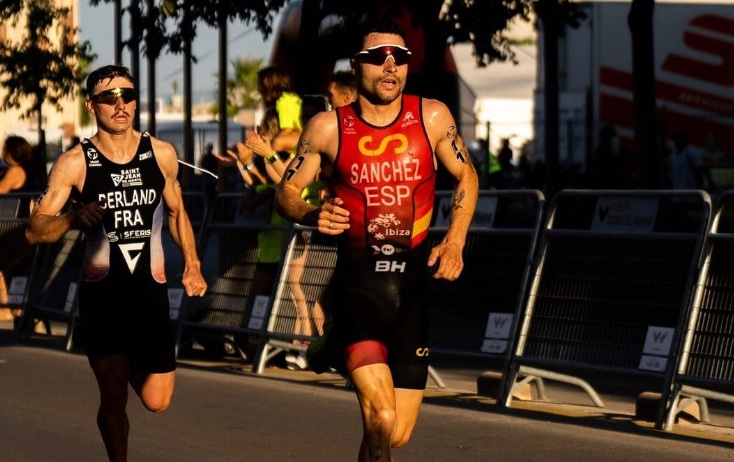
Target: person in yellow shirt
(275, 88)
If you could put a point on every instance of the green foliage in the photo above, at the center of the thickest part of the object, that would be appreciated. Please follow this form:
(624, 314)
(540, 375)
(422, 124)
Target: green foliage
(34, 69)
(242, 87)
(172, 22)
(85, 118)
(484, 23)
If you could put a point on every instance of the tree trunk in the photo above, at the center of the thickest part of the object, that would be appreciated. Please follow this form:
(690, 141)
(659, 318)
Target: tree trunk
(151, 82)
(118, 32)
(547, 11)
(41, 159)
(188, 128)
(313, 59)
(136, 25)
(222, 91)
(647, 152)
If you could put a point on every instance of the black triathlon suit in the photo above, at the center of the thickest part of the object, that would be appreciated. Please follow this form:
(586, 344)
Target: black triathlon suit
(123, 296)
(386, 177)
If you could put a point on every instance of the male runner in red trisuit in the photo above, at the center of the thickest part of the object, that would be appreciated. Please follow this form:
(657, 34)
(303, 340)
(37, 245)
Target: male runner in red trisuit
(379, 157)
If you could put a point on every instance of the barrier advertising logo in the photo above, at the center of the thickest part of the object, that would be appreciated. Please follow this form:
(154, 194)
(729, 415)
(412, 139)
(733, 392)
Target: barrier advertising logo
(625, 214)
(496, 333)
(658, 342)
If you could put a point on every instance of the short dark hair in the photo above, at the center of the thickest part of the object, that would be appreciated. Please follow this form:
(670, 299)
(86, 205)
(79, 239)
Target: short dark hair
(318, 102)
(273, 82)
(345, 80)
(107, 72)
(18, 149)
(381, 26)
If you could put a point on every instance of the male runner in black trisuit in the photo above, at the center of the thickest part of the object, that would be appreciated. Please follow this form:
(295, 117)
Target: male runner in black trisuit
(378, 157)
(125, 184)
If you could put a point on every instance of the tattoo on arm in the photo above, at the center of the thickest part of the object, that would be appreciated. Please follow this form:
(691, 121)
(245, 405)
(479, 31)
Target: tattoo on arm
(304, 147)
(292, 171)
(451, 134)
(458, 199)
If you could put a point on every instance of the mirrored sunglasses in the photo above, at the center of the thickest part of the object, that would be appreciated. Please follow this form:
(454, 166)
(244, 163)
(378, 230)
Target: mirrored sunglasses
(379, 54)
(110, 97)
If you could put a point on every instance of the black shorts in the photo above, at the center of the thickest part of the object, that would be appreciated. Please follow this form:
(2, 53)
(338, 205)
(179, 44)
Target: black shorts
(381, 298)
(131, 319)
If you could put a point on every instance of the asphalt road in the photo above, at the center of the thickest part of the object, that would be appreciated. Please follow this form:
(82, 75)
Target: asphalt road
(223, 412)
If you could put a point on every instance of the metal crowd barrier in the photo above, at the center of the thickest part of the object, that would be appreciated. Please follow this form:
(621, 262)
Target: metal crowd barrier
(231, 316)
(473, 316)
(53, 284)
(476, 315)
(299, 310)
(611, 287)
(299, 298)
(196, 207)
(16, 205)
(53, 287)
(706, 365)
(17, 257)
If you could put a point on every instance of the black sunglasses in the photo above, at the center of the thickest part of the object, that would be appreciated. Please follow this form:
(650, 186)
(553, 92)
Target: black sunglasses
(110, 97)
(379, 54)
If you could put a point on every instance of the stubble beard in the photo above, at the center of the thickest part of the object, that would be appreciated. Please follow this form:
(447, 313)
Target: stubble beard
(380, 97)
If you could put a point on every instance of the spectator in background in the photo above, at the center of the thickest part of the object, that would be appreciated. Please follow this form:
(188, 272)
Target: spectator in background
(279, 101)
(478, 154)
(493, 171)
(309, 319)
(525, 166)
(18, 155)
(6, 314)
(312, 105)
(342, 89)
(275, 88)
(504, 157)
(686, 166)
(612, 165)
(263, 144)
(210, 163)
(16, 176)
(255, 158)
(282, 115)
(259, 175)
(253, 167)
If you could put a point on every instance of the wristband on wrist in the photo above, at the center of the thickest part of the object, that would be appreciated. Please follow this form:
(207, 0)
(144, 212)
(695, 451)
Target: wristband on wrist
(250, 167)
(273, 158)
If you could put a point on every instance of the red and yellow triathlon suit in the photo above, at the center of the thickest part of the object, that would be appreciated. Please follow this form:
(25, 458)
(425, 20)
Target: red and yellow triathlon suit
(386, 177)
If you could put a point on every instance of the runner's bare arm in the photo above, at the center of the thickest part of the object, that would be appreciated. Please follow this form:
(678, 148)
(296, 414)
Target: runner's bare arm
(46, 223)
(453, 154)
(316, 152)
(179, 223)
